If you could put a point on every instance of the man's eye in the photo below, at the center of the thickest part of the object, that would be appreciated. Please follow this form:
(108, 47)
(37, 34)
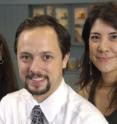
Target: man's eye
(25, 58)
(47, 57)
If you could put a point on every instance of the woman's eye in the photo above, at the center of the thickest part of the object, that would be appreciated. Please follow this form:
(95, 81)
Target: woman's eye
(113, 37)
(94, 38)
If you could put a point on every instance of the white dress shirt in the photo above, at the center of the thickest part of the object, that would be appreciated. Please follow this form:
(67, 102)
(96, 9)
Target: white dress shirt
(64, 106)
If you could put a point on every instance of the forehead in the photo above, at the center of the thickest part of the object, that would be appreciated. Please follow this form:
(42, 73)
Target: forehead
(100, 25)
(41, 38)
(38, 30)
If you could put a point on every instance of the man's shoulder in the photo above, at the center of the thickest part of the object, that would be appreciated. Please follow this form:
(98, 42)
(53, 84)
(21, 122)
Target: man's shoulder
(79, 101)
(14, 96)
(83, 109)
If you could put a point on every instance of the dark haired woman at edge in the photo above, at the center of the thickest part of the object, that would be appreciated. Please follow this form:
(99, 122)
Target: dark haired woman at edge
(7, 75)
(98, 79)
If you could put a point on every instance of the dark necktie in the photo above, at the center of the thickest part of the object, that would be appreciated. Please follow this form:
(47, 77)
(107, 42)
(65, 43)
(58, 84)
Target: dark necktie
(37, 115)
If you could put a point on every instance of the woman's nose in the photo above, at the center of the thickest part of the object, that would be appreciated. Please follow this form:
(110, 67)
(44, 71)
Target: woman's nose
(103, 46)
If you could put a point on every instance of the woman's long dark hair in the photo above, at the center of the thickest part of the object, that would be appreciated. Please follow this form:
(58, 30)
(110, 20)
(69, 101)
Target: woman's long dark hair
(108, 13)
(7, 76)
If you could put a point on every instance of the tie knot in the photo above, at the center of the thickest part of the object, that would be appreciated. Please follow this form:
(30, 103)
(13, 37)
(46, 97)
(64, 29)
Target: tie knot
(37, 111)
(37, 115)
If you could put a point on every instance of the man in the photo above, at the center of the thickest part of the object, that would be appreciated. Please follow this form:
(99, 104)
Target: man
(42, 47)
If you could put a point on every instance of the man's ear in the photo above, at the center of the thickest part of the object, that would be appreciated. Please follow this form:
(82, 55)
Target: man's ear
(65, 60)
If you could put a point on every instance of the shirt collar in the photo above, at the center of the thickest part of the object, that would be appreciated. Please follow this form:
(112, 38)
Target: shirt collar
(52, 105)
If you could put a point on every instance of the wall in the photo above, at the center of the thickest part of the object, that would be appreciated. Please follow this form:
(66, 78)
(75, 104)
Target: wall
(49, 1)
(10, 17)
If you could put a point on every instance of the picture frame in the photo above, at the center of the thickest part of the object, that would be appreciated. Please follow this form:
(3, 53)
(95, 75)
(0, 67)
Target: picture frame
(73, 63)
(50, 10)
(62, 14)
(37, 11)
(72, 19)
(80, 14)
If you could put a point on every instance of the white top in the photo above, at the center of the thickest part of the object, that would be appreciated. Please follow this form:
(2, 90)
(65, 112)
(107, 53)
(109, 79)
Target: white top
(64, 106)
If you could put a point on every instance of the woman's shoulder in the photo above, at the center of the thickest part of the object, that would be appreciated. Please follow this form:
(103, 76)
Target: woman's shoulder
(112, 118)
(84, 91)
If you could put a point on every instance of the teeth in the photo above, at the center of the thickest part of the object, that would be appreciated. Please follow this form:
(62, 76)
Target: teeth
(37, 78)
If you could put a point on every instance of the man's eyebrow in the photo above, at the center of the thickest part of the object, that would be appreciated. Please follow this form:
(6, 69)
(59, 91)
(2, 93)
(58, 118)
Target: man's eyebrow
(47, 52)
(95, 33)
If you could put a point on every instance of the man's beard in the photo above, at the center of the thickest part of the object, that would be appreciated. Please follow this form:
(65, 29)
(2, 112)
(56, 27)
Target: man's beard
(38, 92)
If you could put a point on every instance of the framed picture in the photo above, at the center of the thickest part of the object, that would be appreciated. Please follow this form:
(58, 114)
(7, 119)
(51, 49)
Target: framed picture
(38, 11)
(71, 17)
(73, 64)
(80, 14)
(50, 10)
(61, 13)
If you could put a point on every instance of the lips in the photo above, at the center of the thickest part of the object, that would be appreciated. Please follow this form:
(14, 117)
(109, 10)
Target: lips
(104, 59)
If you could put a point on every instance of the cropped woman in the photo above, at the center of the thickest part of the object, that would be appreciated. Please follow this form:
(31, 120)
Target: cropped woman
(98, 79)
(7, 75)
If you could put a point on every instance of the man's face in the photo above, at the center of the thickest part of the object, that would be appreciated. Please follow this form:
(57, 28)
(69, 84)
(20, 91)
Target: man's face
(40, 60)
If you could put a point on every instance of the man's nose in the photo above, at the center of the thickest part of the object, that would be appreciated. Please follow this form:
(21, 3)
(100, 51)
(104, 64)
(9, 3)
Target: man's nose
(37, 65)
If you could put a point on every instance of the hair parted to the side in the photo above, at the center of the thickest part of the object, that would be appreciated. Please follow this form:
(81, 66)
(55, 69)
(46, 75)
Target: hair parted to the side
(107, 12)
(7, 75)
(46, 20)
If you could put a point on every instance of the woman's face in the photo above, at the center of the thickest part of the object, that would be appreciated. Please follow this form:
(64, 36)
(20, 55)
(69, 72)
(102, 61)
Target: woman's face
(103, 47)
